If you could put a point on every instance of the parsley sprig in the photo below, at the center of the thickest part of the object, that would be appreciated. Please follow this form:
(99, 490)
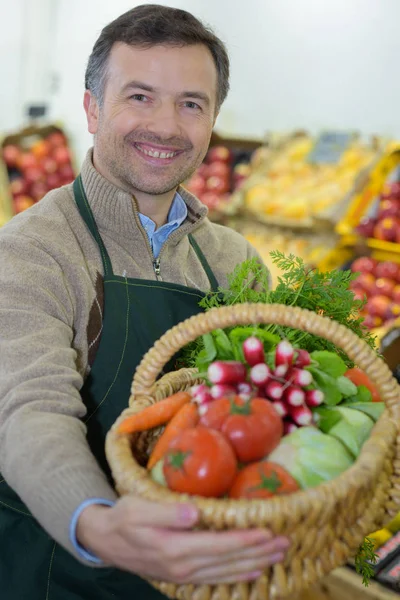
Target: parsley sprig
(364, 560)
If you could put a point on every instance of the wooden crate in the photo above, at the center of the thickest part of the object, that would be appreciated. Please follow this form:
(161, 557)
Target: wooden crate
(345, 584)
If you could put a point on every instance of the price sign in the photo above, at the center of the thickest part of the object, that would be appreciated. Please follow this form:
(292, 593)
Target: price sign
(329, 147)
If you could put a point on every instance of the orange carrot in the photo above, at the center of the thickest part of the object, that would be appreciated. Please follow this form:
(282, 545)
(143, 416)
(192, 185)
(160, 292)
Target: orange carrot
(186, 417)
(156, 414)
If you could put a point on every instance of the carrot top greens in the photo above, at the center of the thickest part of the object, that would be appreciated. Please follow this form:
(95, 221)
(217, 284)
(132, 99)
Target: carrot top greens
(326, 293)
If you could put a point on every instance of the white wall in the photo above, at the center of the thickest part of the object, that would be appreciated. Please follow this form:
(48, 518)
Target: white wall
(11, 24)
(295, 63)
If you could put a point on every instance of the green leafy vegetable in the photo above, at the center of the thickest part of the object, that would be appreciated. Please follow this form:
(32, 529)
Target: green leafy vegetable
(311, 457)
(363, 395)
(364, 560)
(329, 363)
(353, 428)
(373, 409)
(327, 294)
(346, 387)
(328, 385)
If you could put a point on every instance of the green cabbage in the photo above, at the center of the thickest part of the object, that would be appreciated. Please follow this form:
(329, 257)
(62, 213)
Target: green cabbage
(350, 426)
(311, 457)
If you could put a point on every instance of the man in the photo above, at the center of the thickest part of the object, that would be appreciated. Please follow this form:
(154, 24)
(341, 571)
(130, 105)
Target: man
(89, 279)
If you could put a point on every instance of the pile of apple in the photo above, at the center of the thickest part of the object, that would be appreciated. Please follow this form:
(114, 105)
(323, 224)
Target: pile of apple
(36, 169)
(386, 224)
(380, 283)
(217, 177)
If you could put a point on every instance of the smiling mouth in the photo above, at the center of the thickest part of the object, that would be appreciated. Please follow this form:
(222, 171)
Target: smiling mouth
(154, 153)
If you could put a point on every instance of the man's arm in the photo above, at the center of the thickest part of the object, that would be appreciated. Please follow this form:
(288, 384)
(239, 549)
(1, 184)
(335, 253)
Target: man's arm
(44, 455)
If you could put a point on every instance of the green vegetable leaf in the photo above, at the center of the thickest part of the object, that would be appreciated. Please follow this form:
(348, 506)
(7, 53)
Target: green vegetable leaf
(372, 409)
(223, 345)
(346, 387)
(363, 395)
(210, 347)
(327, 418)
(353, 429)
(326, 384)
(329, 363)
(364, 560)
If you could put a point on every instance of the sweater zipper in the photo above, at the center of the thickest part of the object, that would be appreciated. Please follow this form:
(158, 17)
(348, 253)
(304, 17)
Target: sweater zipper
(156, 261)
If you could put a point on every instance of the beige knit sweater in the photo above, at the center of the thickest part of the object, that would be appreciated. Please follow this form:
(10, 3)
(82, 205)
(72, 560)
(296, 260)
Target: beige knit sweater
(50, 313)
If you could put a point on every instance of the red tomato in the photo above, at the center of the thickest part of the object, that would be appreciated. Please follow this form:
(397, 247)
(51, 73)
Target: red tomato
(358, 377)
(262, 480)
(200, 462)
(253, 428)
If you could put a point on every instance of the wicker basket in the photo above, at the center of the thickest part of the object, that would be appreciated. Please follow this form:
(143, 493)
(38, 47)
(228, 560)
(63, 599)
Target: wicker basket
(326, 524)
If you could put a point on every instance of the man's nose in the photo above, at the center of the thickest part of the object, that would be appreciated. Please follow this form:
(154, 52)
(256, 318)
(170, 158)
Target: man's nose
(165, 121)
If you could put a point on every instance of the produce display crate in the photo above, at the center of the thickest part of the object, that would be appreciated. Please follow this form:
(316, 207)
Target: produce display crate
(36, 160)
(292, 185)
(345, 584)
(326, 524)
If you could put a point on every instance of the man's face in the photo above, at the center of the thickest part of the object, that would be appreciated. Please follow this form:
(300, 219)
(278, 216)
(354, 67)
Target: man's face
(154, 127)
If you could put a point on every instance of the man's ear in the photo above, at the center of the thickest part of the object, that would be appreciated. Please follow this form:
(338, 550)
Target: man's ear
(92, 111)
(215, 117)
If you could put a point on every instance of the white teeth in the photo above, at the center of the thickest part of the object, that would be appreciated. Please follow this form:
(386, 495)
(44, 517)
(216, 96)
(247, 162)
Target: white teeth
(156, 153)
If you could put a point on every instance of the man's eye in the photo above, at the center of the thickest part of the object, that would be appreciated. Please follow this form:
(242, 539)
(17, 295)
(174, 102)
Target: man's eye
(190, 104)
(139, 97)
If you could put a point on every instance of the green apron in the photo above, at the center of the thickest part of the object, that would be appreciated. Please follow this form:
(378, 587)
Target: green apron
(136, 313)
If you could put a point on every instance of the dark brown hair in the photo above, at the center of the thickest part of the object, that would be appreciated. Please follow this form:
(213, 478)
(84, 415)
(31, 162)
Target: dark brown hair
(150, 25)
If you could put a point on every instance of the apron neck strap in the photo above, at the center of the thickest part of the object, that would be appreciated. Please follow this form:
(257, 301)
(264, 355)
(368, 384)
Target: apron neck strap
(87, 215)
(211, 277)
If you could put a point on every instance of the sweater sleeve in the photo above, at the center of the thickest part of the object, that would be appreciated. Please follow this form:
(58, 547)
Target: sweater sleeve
(44, 455)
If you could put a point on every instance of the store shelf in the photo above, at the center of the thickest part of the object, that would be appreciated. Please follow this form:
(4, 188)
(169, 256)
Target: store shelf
(345, 584)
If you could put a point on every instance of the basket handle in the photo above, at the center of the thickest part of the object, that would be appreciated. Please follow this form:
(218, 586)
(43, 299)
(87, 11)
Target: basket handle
(244, 314)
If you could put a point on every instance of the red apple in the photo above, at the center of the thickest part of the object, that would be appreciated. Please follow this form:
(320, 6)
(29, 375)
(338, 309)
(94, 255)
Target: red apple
(393, 311)
(11, 154)
(384, 286)
(366, 227)
(389, 208)
(53, 181)
(56, 139)
(396, 294)
(38, 190)
(365, 264)
(203, 170)
(27, 161)
(61, 155)
(372, 321)
(388, 269)
(66, 172)
(196, 185)
(33, 174)
(219, 153)
(387, 229)
(40, 149)
(211, 199)
(220, 169)
(18, 186)
(22, 202)
(364, 282)
(217, 184)
(359, 294)
(49, 165)
(378, 306)
(391, 191)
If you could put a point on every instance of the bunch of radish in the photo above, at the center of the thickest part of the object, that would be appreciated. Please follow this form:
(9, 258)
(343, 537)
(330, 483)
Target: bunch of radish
(287, 384)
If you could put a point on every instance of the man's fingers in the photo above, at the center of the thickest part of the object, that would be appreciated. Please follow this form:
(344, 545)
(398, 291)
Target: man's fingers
(234, 571)
(142, 513)
(275, 546)
(214, 544)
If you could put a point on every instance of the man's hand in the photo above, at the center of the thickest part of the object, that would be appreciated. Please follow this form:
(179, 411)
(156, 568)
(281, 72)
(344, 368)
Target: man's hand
(156, 541)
